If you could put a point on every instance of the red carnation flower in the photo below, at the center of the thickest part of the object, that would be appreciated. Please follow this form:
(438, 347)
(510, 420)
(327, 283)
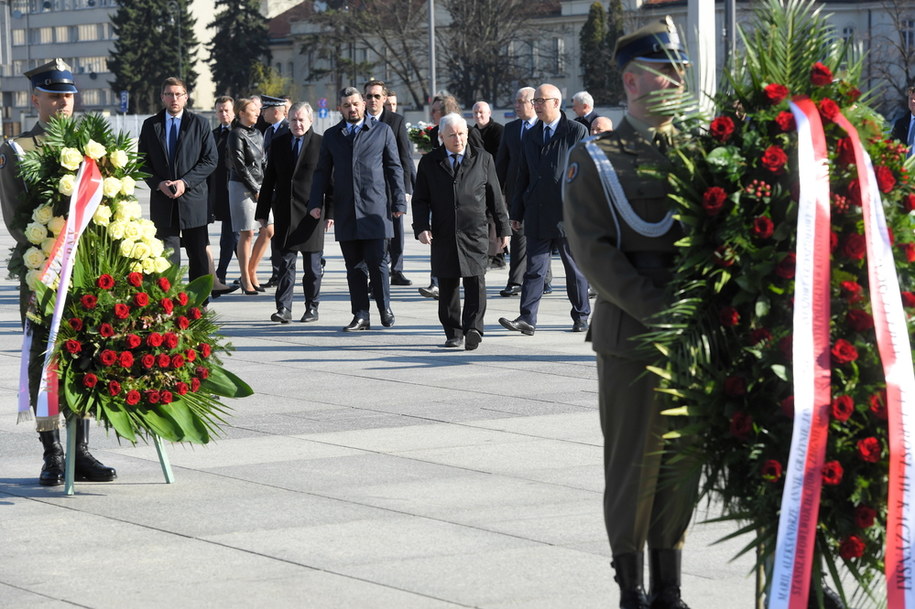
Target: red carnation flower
(76, 323)
(741, 425)
(190, 355)
(88, 301)
(763, 227)
(842, 408)
(760, 335)
(832, 473)
(844, 352)
(108, 357)
(851, 547)
(854, 192)
(845, 152)
(183, 322)
(771, 470)
(205, 349)
(167, 305)
(125, 359)
(713, 200)
(722, 128)
(105, 281)
(869, 449)
(132, 397)
(785, 122)
(203, 373)
(909, 203)
(154, 339)
(877, 404)
(195, 313)
(177, 360)
(73, 347)
(164, 284)
(735, 386)
(774, 159)
(153, 396)
(860, 320)
(167, 397)
(141, 299)
(121, 311)
(90, 380)
(195, 384)
(135, 279)
(908, 300)
(820, 75)
(182, 299)
(114, 388)
(828, 109)
(729, 317)
(786, 266)
(106, 330)
(851, 290)
(133, 341)
(164, 361)
(865, 517)
(181, 388)
(148, 360)
(776, 93)
(885, 178)
(171, 340)
(855, 246)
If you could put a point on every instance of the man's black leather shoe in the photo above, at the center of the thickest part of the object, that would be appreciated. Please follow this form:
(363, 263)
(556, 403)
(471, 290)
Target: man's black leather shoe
(284, 316)
(454, 343)
(580, 326)
(518, 325)
(271, 283)
(398, 278)
(510, 290)
(387, 318)
(472, 339)
(430, 292)
(311, 314)
(358, 323)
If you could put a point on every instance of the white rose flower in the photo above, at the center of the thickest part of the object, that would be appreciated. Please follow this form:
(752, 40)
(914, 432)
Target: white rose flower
(111, 187)
(156, 247)
(33, 278)
(33, 258)
(47, 245)
(136, 267)
(116, 229)
(118, 158)
(126, 247)
(67, 184)
(94, 150)
(161, 264)
(140, 251)
(102, 215)
(131, 230)
(56, 224)
(70, 158)
(128, 185)
(149, 265)
(36, 232)
(43, 214)
(147, 229)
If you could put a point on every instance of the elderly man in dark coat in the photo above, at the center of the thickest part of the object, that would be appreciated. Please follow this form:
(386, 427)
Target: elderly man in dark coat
(291, 165)
(359, 160)
(456, 186)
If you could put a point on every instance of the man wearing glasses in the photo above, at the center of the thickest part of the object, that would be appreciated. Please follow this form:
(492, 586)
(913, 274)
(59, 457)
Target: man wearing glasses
(180, 153)
(537, 203)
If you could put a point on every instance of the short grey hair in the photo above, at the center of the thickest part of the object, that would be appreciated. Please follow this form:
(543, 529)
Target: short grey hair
(482, 103)
(526, 92)
(449, 120)
(309, 113)
(583, 97)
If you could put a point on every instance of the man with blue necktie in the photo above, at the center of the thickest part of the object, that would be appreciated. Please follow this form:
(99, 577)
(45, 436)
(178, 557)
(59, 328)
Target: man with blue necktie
(904, 128)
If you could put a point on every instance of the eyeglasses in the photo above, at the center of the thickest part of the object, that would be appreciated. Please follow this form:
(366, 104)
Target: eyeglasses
(373, 95)
(172, 94)
(539, 101)
(521, 102)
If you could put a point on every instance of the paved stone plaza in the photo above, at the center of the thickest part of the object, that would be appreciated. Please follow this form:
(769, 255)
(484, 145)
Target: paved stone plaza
(373, 470)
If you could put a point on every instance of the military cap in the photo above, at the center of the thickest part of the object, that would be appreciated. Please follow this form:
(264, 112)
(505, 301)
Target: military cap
(657, 42)
(52, 77)
(272, 102)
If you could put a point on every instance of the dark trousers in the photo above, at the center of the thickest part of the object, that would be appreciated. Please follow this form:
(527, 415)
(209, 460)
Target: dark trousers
(228, 244)
(311, 278)
(455, 321)
(649, 495)
(539, 252)
(517, 262)
(195, 241)
(372, 254)
(396, 245)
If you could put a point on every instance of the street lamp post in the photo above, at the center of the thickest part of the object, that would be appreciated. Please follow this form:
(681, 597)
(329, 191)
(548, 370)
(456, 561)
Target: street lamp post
(432, 84)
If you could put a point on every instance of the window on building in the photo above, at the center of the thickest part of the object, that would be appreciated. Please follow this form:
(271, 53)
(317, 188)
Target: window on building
(907, 32)
(290, 70)
(88, 31)
(18, 38)
(90, 97)
(22, 99)
(62, 33)
(87, 65)
(279, 69)
(556, 59)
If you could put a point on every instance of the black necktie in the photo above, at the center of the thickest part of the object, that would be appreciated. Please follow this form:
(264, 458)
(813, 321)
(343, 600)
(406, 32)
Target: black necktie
(172, 142)
(295, 148)
(455, 164)
(546, 134)
(662, 141)
(524, 127)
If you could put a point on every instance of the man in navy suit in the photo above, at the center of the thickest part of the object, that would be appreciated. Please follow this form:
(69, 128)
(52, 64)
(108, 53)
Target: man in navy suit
(583, 106)
(179, 153)
(904, 128)
(538, 203)
(360, 162)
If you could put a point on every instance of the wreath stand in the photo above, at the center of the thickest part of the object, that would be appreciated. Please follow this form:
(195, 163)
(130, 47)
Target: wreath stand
(70, 462)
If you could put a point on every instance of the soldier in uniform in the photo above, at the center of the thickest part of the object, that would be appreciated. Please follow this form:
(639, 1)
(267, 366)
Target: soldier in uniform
(622, 233)
(52, 94)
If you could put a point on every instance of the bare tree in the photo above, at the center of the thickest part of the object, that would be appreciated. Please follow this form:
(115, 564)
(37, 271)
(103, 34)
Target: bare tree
(891, 61)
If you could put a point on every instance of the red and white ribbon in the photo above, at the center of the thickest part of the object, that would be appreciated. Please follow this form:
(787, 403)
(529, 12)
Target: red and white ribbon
(896, 356)
(794, 549)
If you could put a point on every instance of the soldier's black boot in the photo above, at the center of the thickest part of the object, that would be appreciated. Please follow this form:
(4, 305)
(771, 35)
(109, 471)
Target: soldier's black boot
(88, 467)
(664, 566)
(52, 472)
(629, 574)
(831, 599)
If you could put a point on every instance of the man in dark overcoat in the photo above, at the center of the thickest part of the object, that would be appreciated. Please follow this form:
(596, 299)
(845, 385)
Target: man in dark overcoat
(359, 161)
(904, 127)
(456, 186)
(179, 154)
(291, 165)
(538, 204)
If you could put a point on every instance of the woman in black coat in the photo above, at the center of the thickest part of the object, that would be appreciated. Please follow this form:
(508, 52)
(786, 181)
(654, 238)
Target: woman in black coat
(456, 185)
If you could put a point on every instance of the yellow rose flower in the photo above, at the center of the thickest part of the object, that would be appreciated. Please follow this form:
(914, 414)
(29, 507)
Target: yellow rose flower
(126, 248)
(116, 229)
(43, 214)
(56, 224)
(156, 247)
(136, 267)
(34, 258)
(140, 251)
(94, 150)
(102, 215)
(70, 158)
(147, 229)
(32, 279)
(149, 265)
(111, 187)
(131, 230)
(118, 158)
(36, 232)
(161, 264)
(47, 245)
(67, 184)
(128, 185)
